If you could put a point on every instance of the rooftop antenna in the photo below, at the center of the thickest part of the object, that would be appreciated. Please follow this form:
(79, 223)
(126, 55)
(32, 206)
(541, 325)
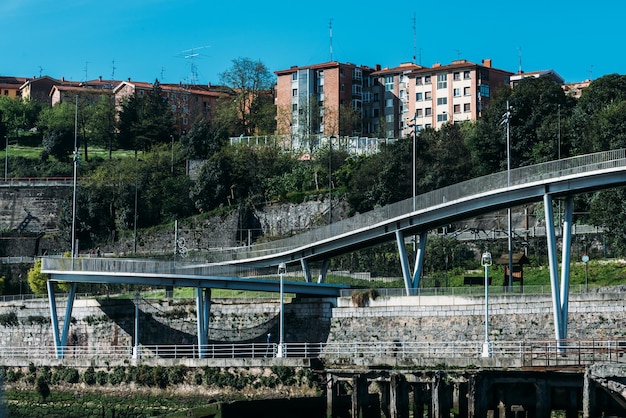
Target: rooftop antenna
(113, 70)
(162, 73)
(591, 73)
(190, 55)
(331, 39)
(414, 39)
(519, 54)
(40, 71)
(86, 64)
(458, 54)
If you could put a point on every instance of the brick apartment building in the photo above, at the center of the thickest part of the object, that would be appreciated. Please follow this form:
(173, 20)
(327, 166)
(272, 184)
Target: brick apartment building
(310, 100)
(389, 101)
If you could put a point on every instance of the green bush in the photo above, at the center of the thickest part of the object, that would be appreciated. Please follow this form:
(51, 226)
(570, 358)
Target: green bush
(9, 319)
(89, 377)
(102, 377)
(118, 375)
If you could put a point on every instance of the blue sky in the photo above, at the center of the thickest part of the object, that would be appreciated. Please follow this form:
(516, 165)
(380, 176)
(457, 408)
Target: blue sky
(150, 39)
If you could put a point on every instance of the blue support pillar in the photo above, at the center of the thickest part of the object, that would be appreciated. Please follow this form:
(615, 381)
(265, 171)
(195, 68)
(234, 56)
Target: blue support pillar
(306, 270)
(323, 270)
(404, 263)
(565, 263)
(60, 341)
(411, 282)
(203, 308)
(419, 260)
(553, 267)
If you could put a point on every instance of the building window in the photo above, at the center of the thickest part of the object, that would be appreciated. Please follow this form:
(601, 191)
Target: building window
(341, 72)
(367, 97)
(456, 76)
(442, 117)
(426, 79)
(466, 107)
(428, 111)
(466, 91)
(185, 121)
(356, 89)
(294, 107)
(342, 87)
(389, 103)
(375, 97)
(419, 113)
(442, 101)
(457, 108)
(428, 96)
(466, 75)
(418, 97)
(357, 73)
(388, 83)
(484, 90)
(456, 92)
(294, 92)
(294, 76)
(442, 81)
(389, 118)
(418, 81)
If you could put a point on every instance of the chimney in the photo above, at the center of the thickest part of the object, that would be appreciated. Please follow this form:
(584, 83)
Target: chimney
(128, 79)
(377, 67)
(437, 64)
(487, 62)
(100, 78)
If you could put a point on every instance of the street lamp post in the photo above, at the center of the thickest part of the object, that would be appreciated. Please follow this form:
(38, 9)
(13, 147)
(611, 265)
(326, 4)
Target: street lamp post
(486, 262)
(6, 157)
(507, 121)
(75, 176)
(136, 353)
(280, 353)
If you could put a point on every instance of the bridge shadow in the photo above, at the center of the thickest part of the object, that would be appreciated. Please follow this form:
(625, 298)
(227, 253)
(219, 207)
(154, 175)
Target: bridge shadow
(162, 327)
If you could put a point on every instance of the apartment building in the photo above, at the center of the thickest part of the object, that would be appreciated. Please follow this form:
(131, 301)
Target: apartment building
(312, 101)
(451, 93)
(387, 102)
(188, 102)
(10, 86)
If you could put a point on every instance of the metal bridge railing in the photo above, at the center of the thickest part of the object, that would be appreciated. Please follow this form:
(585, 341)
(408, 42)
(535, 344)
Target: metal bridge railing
(540, 353)
(519, 176)
(524, 175)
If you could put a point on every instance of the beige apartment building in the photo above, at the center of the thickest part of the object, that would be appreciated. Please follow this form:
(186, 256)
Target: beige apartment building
(450, 93)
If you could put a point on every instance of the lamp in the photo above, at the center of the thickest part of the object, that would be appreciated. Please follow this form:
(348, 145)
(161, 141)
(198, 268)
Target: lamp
(486, 261)
(282, 268)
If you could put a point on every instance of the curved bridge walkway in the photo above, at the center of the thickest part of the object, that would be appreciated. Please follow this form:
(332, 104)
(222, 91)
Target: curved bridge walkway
(416, 216)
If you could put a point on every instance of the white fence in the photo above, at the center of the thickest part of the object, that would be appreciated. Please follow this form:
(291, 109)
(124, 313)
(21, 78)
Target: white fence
(529, 353)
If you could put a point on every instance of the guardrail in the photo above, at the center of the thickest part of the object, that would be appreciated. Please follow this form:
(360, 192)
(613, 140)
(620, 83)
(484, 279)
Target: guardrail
(541, 353)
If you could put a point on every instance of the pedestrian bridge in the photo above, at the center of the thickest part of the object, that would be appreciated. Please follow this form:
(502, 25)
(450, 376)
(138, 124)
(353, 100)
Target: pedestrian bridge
(250, 267)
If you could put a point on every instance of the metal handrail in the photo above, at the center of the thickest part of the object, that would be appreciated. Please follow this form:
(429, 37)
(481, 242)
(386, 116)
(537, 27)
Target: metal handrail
(529, 352)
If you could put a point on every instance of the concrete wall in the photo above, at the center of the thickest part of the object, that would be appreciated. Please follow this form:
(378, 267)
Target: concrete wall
(598, 314)
(109, 323)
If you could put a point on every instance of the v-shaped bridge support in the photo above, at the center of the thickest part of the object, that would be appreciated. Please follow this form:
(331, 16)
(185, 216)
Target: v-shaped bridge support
(411, 282)
(60, 338)
(560, 291)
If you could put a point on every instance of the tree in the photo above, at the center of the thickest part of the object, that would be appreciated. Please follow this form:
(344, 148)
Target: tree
(101, 122)
(251, 109)
(18, 114)
(36, 279)
(58, 125)
(146, 121)
(201, 141)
